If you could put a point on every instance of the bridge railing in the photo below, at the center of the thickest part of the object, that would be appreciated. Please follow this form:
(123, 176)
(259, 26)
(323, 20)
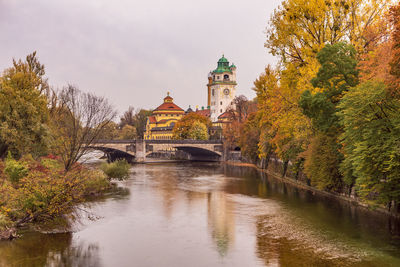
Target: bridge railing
(133, 141)
(110, 141)
(186, 141)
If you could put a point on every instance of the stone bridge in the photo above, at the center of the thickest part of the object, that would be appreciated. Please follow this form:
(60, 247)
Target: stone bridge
(137, 150)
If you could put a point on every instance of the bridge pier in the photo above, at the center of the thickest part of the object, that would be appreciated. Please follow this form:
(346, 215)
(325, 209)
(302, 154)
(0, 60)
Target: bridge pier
(140, 151)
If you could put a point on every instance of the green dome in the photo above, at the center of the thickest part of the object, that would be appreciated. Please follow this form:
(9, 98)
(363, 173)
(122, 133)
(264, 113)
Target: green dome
(223, 65)
(223, 60)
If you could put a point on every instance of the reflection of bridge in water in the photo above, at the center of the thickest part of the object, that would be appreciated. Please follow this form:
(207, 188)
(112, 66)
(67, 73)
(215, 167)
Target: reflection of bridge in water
(138, 150)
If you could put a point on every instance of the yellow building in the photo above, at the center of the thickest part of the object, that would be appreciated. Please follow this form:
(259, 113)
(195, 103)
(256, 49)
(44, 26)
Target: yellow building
(162, 120)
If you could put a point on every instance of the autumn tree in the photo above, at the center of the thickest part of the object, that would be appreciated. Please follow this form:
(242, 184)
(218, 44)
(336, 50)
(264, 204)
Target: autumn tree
(297, 31)
(182, 128)
(250, 137)
(284, 128)
(23, 108)
(394, 63)
(79, 120)
(369, 116)
(237, 113)
(241, 108)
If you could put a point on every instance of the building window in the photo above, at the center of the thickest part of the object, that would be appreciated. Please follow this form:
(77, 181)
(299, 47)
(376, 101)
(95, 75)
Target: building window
(226, 77)
(218, 77)
(220, 103)
(221, 110)
(213, 92)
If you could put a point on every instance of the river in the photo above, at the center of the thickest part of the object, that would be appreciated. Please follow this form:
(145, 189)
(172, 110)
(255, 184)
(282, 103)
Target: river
(210, 214)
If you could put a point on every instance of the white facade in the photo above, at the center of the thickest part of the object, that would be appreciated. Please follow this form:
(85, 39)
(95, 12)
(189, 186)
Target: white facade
(222, 83)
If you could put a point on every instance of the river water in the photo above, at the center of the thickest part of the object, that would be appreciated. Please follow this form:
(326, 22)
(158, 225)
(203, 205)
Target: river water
(209, 214)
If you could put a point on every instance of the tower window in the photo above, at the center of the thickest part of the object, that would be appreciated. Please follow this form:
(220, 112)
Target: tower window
(221, 110)
(226, 77)
(220, 103)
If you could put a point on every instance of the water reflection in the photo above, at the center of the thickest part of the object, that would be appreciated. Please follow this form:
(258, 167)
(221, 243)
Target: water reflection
(221, 221)
(37, 249)
(202, 214)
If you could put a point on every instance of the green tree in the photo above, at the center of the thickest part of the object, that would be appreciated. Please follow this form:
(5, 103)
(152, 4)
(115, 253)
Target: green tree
(127, 132)
(371, 121)
(110, 131)
(140, 121)
(338, 73)
(322, 159)
(198, 131)
(23, 108)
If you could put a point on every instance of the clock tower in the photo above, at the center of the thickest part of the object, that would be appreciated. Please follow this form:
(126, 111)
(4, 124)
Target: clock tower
(221, 88)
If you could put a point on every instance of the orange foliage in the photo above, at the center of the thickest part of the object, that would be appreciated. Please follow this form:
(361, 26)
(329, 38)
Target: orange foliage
(395, 59)
(382, 61)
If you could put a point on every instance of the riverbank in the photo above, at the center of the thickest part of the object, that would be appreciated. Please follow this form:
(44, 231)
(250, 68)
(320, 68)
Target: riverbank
(41, 193)
(299, 184)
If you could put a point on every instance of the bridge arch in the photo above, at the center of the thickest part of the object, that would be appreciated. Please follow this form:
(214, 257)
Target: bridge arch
(198, 153)
(114, 154)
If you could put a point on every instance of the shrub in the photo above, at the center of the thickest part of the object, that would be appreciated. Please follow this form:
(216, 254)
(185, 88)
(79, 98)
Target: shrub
(15, 170)
(46, 192)
(118, 169)
(4, 222)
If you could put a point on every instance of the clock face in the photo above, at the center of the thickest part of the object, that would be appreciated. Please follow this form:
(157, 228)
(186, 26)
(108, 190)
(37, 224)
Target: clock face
(226, 91)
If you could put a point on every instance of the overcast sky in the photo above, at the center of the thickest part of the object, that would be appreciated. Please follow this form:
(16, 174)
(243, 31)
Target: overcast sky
(132, 51)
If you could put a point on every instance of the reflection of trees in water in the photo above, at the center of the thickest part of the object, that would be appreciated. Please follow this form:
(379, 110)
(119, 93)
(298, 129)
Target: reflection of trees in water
(35, 249)
(172, 179)
(221, 221)
(320, 209)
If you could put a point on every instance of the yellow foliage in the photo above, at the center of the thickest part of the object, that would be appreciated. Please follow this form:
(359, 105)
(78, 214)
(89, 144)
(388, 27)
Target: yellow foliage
(297, 31)
(282, 123)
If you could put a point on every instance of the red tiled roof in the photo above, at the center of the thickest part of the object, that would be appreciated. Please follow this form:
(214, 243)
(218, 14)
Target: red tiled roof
(204, 112)
(168, 106)
(168, 98)
(165, 120)
(152, 119)
(224, 115)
